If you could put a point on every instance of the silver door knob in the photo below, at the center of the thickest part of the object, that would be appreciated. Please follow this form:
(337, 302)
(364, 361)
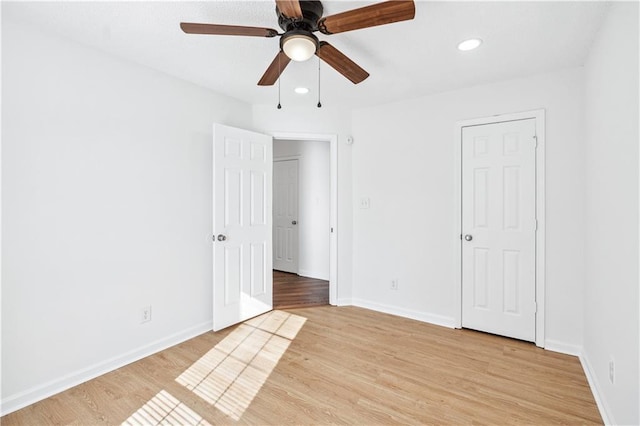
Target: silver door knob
(222, 237)
(468, 237)
(294, 222)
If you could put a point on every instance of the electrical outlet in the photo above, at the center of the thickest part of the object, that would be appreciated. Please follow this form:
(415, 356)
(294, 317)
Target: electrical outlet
(145, 314)
(365, 203)
(394, 284)
(612, 371)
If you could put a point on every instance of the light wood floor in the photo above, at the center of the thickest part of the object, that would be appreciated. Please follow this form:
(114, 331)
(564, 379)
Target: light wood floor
(294, 291)
(349, 365)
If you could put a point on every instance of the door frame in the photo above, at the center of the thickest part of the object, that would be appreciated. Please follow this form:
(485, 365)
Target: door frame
(539, 116)
(333, 208)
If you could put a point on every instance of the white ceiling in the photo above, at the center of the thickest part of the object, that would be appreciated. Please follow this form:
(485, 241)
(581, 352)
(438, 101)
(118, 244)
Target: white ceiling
(405, 60)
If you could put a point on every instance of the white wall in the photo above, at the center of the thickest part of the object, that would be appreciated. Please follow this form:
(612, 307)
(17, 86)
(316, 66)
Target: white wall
(611, 303)
(107, 197)
(314, 201)
(326, 120)
(403, 160)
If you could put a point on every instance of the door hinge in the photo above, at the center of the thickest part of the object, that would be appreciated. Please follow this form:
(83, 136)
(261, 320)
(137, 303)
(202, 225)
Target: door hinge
(535, 307)
(535, 224)
(332, 229)
(535, 141)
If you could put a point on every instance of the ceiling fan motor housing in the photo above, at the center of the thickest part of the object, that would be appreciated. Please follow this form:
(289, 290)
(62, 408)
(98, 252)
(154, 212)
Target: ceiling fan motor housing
(311, 13)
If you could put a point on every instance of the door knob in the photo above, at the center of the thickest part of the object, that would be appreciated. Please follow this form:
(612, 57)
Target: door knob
(468, 237)
(222, 237)
(294, 222)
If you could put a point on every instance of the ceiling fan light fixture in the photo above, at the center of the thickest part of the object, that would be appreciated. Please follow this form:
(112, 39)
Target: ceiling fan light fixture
(299, 47)
(472, 43)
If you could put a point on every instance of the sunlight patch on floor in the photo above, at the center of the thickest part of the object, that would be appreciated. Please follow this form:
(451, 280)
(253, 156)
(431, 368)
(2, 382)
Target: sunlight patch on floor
(165, 409)
(231, 374)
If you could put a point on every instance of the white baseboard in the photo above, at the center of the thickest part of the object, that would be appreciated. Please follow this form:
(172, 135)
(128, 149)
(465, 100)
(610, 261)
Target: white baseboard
(344, 302)
(563, 348)
(406, 313)
(556, 346)
(605, 413)
(313, 274)
(17, 401)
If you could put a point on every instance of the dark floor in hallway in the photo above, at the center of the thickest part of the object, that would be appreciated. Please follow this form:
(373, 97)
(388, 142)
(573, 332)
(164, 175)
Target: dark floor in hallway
(294, 291)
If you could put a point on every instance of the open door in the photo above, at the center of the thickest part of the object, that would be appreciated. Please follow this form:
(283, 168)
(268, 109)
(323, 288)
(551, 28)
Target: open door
(242, 218)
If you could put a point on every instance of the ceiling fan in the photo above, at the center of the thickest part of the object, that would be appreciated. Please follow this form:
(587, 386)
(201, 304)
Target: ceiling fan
(300, 19)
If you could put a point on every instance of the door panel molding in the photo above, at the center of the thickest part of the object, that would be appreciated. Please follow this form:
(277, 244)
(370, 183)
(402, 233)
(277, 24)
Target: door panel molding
(539, 116)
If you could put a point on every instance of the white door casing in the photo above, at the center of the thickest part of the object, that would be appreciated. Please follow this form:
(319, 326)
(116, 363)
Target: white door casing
(499, 228)
(285, 215)
(242, 251)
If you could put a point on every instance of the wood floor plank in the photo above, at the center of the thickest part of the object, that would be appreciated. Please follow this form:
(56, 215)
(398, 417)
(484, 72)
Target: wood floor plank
(347, 366)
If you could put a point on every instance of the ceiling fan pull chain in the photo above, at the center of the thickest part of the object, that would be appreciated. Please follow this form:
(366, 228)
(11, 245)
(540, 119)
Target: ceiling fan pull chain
(319, 104)
(279, 75)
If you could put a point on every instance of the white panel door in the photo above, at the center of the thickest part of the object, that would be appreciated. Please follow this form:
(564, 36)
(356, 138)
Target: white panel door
(242, 252)
(499, 228)
(285, 216)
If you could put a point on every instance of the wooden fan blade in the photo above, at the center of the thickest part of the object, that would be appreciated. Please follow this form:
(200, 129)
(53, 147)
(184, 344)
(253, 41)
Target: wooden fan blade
(368, 16)
(341, 63)
(290, 8)
(275, 69)
(235, 30)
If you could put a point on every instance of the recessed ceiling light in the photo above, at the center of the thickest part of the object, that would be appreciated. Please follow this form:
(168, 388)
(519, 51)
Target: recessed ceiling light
(301, 90)
(470, 44)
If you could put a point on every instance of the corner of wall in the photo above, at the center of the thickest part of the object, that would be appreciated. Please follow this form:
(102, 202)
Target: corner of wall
(592, 379)
(611, 318)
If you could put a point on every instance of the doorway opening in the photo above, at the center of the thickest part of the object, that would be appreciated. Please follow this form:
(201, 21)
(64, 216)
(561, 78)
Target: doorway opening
(304, 220)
